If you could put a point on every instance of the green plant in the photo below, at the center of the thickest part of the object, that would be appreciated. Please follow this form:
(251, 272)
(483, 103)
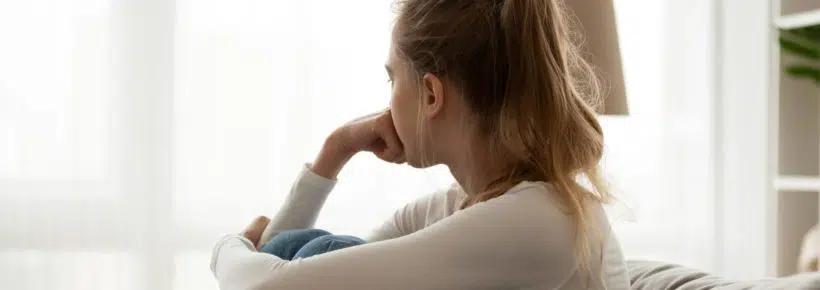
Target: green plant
(804, 43)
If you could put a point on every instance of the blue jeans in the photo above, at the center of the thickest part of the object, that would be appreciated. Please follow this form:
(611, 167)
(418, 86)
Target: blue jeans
(303, 243)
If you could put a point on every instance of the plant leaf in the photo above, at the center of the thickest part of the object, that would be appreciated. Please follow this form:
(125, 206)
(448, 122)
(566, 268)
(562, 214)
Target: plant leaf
(804, 71)
(805, 43)
(810, 32)
(796, 48)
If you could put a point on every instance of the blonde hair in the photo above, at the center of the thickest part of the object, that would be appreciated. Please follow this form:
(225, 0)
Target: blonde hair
(522, 74)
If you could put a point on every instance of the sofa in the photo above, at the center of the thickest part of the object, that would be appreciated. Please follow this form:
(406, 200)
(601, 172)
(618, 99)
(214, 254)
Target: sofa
(651, 275)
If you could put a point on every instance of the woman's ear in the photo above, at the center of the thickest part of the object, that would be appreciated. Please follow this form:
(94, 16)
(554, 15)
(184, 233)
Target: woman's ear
(433, 99)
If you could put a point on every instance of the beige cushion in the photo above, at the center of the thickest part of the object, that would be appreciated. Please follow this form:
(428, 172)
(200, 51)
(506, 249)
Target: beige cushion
(649, 275)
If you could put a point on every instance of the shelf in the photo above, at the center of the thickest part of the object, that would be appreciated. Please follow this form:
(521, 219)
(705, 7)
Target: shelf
(799, 20)
(797, 183)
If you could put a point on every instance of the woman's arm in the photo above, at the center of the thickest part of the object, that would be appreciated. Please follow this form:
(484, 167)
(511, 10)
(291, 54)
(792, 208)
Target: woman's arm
(309, 192)
(510, 244)
(374, 133)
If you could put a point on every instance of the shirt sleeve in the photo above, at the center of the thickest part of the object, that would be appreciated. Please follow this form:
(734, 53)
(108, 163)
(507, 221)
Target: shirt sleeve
(477, 248)
(404, 221)
(302, 206)
(418, 214)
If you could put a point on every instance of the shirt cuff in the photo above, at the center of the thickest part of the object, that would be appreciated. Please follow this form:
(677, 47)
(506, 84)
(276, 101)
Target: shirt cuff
(315, 181)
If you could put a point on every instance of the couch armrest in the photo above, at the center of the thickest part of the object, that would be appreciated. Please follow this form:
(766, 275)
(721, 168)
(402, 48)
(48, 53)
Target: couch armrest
(651, 275)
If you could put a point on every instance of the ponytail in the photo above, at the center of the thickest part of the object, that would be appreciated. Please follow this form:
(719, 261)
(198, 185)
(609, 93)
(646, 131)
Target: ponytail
(544, 118)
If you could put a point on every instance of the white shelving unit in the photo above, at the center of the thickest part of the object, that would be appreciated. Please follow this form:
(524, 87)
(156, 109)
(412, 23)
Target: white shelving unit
(797, 183)
(787, 183)
(798, 20)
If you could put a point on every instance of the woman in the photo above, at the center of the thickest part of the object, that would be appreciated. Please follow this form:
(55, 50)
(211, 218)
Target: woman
(496, 91)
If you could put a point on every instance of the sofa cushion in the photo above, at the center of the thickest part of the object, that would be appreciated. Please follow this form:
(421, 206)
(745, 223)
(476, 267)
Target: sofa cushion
(650, 275)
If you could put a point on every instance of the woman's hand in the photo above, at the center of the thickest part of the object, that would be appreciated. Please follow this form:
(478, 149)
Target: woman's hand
(374, 133)
(254, 231)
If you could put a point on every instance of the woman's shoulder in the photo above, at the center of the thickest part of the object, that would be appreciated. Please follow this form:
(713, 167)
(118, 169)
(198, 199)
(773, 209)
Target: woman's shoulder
(529, 204)
(536, 208)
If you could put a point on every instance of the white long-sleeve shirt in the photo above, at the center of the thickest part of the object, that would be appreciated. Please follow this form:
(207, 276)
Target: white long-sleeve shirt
(520, 240)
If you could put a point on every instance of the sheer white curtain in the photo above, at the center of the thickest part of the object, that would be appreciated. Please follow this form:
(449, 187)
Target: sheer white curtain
(660, 159)
(133, 133)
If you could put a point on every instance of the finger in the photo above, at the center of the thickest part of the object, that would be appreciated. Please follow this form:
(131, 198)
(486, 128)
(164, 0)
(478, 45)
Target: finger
(390, 151)
(385, 155)
(254, 231)
(398, 159)
(387, 133)
(401, 160)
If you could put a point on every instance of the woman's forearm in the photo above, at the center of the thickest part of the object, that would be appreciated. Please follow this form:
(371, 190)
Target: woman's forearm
(374, 133)
(331, 159)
